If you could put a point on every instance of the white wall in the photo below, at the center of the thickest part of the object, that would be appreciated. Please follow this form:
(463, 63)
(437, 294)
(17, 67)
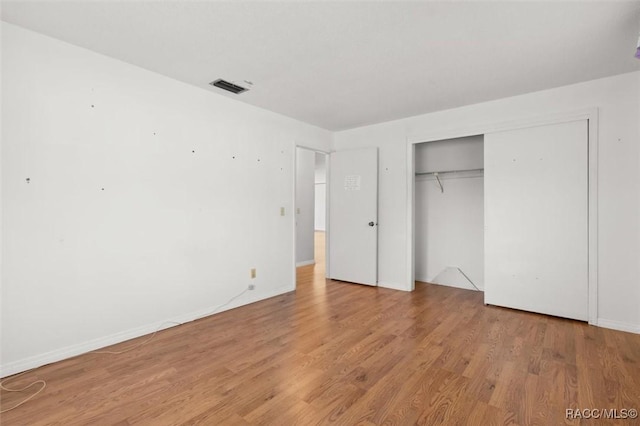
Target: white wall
(449, 225)
(618, 179)
(321, 192)
(305, 165)
(193, 186)
(450, 154)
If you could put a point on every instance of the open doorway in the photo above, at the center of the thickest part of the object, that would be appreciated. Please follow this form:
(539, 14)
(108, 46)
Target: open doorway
(320, 211)
(310, 215)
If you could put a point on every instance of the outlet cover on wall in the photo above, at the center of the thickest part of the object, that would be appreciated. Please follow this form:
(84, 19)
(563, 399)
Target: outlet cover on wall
(253, 272)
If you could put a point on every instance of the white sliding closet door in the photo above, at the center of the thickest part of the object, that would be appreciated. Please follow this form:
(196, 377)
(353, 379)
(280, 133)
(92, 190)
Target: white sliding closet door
(536, 235)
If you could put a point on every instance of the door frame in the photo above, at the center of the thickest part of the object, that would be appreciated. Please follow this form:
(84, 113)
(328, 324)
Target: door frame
(590, 115)
(295, 204)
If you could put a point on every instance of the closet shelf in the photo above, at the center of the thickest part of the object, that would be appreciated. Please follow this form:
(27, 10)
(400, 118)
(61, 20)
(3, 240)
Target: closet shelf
(448, 172)
(452, 173)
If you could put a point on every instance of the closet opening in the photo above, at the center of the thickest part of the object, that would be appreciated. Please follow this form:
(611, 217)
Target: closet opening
(449, 212)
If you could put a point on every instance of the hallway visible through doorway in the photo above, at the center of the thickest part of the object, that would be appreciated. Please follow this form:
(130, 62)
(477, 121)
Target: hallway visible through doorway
(314, 273)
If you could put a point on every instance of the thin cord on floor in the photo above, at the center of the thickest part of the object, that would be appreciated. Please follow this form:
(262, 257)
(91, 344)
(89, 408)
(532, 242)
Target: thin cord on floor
(139, 344)
(4, 388)
(169, 322)
(44, 383)
(224, 304)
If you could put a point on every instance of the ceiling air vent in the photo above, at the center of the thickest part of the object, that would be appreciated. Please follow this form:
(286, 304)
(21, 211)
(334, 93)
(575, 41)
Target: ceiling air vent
(229, 87)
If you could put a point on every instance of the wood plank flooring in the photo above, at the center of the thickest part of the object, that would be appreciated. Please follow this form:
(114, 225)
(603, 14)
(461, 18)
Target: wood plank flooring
(333, 352)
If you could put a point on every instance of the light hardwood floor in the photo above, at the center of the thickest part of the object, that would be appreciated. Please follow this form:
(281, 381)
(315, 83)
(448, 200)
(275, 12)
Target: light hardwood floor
(348, 354)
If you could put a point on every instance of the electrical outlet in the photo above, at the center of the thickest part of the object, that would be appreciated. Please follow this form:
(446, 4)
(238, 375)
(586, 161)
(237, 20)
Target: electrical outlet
(253, 272)
(298, 210)
(252, 287)
(281, 211)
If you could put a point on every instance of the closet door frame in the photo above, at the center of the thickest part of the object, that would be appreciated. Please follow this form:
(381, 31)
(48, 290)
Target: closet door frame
(590, 114)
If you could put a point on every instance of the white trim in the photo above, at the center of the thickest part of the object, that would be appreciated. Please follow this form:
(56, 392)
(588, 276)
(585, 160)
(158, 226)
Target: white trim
(430, 282)
(296, 264)
(593, 215)
(481, 129)
(411, 253)
(589, 114)
(308, 148)
(122, 336)
(619, 325)
(305, 263)
(393, 286)
(327, 218)
(294, 230)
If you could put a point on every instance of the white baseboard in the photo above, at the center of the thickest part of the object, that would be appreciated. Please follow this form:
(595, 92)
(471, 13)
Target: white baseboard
(619, 325)
(101, 342)
(393, 286)
(431, 281)
(453, 276)
(81, 348)
(305, 263)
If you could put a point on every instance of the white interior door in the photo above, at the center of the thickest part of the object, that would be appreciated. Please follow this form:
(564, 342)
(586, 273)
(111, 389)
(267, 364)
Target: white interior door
(353, 216)
(536, 217)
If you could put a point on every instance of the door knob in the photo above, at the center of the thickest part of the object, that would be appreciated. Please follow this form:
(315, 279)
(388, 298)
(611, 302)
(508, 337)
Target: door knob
(372, 224)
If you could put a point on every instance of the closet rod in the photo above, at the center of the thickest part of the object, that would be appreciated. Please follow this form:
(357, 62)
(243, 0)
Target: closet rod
(449, 171)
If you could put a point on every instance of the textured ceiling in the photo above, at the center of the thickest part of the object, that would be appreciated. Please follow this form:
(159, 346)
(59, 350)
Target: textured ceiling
(345, 64)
